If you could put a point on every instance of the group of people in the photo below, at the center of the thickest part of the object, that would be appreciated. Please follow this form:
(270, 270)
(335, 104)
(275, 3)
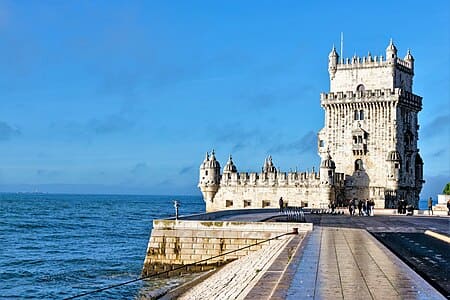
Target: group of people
(401, 206)
(365, 207)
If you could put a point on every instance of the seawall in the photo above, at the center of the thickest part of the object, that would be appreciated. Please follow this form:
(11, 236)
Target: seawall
(174, 243)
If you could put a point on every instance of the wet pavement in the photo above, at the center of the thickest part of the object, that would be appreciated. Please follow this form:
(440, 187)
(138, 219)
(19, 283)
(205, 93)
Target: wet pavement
(340, 259)
(427, 255)
(344, 263)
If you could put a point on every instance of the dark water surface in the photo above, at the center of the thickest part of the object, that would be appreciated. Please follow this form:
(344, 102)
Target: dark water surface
(55, 246)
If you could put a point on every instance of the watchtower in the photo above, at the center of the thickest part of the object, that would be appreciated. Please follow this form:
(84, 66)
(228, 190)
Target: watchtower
(371, 126)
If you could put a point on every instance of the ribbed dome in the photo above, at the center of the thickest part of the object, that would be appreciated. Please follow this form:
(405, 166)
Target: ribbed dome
(213, 163)
(230, 167)
(394, 156)
(328, 163)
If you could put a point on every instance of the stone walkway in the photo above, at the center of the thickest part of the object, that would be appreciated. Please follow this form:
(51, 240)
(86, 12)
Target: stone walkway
(235, 279)
(343, 263)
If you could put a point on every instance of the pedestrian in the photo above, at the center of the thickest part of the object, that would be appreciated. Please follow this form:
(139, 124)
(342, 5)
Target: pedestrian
(372, 206)
(367, 204)
(430, 206)
(359, 207)
(350, 207)
(448, 207)
(281, 203)
(399, 207)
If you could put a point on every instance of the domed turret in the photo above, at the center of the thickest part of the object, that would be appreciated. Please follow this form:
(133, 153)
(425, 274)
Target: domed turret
(213, 163)
(327, 170)
(230, 167)
(394, 160)
(328, 162)
(391, 52)
(333, 59)
(409, 59)
(209, 177)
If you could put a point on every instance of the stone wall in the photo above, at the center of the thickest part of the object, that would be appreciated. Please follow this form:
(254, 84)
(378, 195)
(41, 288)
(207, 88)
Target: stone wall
(174, 243)
(234, 197)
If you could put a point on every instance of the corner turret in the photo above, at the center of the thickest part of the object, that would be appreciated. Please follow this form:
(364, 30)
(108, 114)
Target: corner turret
(409, 59)
(391, 52)
(327, 170)
(333, 59)
(209, 177)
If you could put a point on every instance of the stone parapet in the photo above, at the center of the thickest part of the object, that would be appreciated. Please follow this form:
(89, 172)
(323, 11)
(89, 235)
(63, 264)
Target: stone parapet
(176, 243)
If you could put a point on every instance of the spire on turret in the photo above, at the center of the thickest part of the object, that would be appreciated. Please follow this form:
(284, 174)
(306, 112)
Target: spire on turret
(333, 59)
(409, 56)
(268, 165)
(391, 51)
(230, 167)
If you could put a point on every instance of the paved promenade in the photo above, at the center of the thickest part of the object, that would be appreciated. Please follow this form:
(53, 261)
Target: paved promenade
(342, 263)
(340, 259)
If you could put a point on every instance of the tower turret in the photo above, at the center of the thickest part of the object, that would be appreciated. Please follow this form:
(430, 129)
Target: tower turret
(327, 175)
(333, 59)
(409, 59)
(327, 170)
(394, 161)
(209, 177)
(391, 52)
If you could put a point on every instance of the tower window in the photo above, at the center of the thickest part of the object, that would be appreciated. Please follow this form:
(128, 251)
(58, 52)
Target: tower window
(359, 165)
(356, 115)
(321, 143)
(206, 172)
(361, 114)
(360, 88)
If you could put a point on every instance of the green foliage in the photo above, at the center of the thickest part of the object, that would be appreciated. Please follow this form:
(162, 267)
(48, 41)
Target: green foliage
(446, 190)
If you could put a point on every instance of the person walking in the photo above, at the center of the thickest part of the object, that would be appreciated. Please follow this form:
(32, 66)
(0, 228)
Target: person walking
(360, 208)
(430, 206)
(448, 207)
(281, 203)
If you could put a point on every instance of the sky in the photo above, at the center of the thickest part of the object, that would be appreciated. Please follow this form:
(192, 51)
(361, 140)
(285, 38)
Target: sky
(127, 96)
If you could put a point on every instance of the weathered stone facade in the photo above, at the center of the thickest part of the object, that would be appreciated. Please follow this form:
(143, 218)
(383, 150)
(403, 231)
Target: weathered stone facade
(371, 132)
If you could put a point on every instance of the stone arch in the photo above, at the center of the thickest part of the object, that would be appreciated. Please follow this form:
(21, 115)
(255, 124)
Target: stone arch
(360, 88)
(359, 166)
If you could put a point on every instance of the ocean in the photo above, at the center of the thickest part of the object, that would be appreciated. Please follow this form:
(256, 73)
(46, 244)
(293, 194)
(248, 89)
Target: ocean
(54, 246)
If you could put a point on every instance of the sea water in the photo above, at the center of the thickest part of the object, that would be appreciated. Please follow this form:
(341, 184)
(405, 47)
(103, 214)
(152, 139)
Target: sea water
(54, 246)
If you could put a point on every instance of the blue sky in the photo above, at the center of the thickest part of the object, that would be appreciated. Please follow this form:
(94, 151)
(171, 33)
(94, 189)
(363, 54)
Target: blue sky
(126, 96)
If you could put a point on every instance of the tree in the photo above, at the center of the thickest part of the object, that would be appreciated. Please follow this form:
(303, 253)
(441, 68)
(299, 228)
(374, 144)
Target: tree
(446, 190)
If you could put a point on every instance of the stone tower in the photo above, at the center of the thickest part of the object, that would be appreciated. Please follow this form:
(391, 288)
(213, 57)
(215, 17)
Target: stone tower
(371, 127)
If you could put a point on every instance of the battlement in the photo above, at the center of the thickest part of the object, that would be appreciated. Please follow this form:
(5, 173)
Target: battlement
(270, 179)
(372, 95)
(369, 61)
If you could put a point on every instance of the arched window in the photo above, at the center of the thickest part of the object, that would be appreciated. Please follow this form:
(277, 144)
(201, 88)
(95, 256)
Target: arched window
(356, 115)
(360, 88)
(361, 114)
(359, 165)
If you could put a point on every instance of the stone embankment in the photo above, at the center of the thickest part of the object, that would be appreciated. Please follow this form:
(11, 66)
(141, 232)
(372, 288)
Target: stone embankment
(235, 280)
(205, 245)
